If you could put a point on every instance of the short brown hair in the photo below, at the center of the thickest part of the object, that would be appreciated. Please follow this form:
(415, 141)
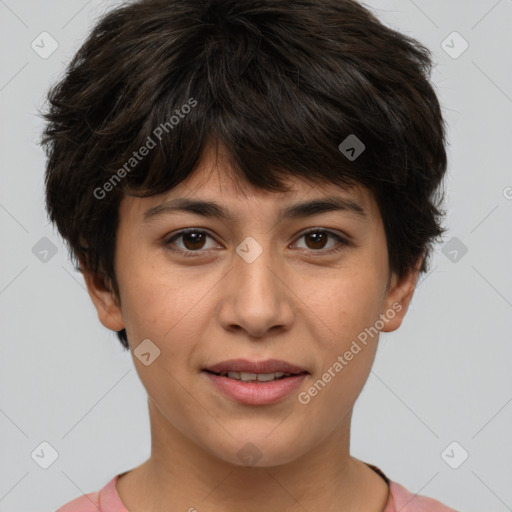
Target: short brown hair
(280, 83)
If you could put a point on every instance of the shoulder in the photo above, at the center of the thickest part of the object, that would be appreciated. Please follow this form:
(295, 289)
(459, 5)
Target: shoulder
(104, 500)
(86, 503)
(403, 500)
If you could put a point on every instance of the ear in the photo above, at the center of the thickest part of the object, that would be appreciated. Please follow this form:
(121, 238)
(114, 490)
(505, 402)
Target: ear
(104, 299)
(399, 297)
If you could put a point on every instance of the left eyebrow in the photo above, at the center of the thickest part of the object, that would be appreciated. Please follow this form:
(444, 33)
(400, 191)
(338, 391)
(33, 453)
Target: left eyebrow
(294, 211)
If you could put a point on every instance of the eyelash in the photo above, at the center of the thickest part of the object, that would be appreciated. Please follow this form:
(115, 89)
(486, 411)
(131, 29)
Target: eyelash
(342, 242)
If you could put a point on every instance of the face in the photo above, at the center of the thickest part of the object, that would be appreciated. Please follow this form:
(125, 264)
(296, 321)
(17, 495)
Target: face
(266, 282)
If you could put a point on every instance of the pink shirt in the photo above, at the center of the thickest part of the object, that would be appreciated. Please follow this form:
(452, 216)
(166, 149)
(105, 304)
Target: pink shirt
(107, 500)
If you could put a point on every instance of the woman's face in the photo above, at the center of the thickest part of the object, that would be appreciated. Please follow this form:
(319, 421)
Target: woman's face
(308, 288)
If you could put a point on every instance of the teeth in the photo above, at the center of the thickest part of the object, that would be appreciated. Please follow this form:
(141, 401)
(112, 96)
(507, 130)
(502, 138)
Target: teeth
(248, 376)
(261, 377)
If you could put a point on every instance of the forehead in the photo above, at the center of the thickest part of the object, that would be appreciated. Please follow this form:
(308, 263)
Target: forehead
(215, 180)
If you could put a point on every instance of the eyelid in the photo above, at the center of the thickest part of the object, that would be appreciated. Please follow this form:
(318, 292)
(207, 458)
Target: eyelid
(344, 241)
(177, 234)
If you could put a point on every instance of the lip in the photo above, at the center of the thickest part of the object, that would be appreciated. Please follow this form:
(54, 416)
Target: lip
(256, 393)
(244, 365)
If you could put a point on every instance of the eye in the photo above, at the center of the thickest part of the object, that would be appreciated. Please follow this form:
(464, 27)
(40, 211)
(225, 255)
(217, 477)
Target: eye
(316, 239)
(193, 242)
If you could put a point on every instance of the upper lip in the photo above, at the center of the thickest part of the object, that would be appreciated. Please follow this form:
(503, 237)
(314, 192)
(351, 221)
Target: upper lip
(244, 365)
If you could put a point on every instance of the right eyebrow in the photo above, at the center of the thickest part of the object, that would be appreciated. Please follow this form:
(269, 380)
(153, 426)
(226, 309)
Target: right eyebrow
(294, 211)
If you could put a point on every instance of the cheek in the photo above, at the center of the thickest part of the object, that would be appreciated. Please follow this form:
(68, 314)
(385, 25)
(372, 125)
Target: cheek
(347, 352)
(164, 305)
(348, 303)
(349, 307)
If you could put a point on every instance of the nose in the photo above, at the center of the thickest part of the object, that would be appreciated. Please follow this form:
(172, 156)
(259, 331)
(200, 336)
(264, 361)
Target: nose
(256, 296)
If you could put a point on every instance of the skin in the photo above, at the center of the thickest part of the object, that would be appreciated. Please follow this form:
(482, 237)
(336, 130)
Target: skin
(295, 302)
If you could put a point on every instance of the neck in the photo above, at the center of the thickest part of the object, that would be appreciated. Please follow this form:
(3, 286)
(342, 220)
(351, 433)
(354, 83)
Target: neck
(180, 475)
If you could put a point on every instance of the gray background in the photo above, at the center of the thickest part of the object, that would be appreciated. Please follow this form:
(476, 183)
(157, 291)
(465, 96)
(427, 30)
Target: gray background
(443, 377)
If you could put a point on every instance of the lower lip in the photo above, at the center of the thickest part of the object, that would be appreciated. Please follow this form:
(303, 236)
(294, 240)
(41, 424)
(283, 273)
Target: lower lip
(256, 393)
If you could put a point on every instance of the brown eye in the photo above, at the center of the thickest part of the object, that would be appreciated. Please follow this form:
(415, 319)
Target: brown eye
(192, 241)
(317, 240)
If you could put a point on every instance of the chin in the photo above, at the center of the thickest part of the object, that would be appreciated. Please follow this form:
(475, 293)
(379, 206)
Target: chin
(262, 448)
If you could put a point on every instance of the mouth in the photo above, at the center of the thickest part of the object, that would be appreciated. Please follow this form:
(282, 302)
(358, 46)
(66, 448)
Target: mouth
(255, 377)
(255, 383)
(259, 371)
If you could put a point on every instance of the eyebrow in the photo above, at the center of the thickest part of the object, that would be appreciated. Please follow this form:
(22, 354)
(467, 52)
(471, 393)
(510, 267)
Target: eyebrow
(294, 211)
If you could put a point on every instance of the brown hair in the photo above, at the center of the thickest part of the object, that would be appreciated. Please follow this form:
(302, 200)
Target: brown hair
(281, 84)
